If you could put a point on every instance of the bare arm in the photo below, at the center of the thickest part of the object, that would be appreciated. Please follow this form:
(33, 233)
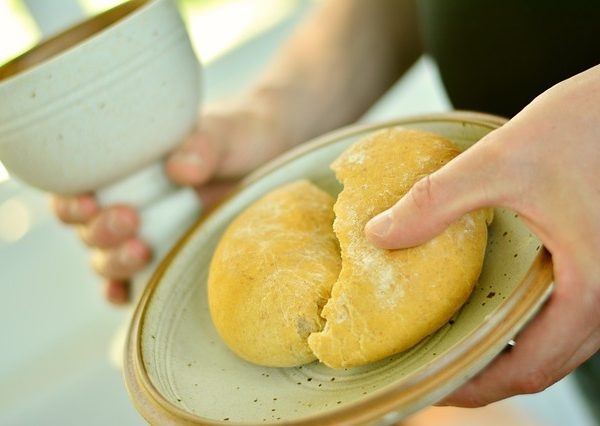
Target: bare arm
(343, 58)
(336, 65)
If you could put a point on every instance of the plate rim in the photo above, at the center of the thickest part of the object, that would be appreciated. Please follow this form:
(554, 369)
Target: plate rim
(406, 398)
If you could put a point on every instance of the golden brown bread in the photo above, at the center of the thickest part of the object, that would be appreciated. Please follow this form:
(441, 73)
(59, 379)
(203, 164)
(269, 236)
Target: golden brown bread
(386, 301)
(272, 273)
(276, 264)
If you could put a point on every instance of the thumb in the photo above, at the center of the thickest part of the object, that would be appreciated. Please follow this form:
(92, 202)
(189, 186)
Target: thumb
(196, 160)
(470, 181)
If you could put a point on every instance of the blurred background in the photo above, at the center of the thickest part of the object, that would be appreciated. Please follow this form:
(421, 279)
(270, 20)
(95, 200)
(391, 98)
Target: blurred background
(56, 330)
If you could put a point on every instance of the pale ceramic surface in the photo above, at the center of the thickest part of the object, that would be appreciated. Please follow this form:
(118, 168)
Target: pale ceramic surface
(96, 108)
(114, 102)
(178, 369)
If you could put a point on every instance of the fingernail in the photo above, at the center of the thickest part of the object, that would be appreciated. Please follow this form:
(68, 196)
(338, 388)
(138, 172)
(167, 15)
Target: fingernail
(380, 225)
(119, 225)
(187, 158)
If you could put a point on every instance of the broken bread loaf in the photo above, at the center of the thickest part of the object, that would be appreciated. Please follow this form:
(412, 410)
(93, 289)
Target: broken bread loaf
(272, 273)
(386, 301)
(276, 292)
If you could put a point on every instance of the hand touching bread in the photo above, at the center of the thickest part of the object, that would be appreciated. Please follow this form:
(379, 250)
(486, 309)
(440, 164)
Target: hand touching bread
(545, 165)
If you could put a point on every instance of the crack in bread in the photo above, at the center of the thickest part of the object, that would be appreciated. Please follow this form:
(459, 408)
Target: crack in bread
(272, 273)
(397, 297)
(281, 294)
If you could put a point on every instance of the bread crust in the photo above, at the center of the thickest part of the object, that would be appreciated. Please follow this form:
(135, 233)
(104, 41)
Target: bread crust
(386, 301)
(271, 274)
(281, 294)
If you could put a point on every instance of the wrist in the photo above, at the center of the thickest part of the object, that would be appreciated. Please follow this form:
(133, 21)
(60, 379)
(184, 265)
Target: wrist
(281, 106)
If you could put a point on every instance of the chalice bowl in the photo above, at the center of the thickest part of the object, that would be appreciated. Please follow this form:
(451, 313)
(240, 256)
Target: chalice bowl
(96, 108)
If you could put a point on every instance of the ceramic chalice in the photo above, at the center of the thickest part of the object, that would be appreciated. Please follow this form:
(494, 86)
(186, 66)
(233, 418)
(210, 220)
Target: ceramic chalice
(97, 107)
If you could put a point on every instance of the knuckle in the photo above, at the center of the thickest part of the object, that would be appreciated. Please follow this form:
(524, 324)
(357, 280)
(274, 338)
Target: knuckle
(101, 234)
(120, 266)
(63, 210)
(423, 192)
(533, 382)
(473, 401)
(109, 264)
(73, 210)
(93, 235)
(108, 230)
(470, 395)
(508, 170)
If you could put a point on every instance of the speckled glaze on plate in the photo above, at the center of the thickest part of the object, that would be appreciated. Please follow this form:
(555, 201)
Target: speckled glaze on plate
(178, 371)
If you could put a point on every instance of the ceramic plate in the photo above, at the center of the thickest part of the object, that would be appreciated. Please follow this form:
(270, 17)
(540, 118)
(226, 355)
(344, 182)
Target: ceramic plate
(178, 371)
